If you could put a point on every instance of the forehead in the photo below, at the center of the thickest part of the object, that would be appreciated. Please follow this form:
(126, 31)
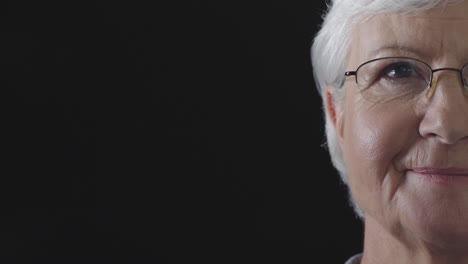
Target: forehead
(440, 34)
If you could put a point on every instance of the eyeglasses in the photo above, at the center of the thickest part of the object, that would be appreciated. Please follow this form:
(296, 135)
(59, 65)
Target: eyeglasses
(399, 79)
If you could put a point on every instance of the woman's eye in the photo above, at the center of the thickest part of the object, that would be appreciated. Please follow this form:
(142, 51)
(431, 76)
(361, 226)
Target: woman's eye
(399, 71)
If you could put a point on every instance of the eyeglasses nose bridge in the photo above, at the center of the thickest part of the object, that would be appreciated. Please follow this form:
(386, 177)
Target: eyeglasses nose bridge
(460, 71)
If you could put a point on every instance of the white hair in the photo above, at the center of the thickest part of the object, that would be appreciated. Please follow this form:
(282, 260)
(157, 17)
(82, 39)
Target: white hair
(330, 50)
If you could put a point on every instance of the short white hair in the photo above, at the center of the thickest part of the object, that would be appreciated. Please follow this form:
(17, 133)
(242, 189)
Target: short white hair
(330, 50)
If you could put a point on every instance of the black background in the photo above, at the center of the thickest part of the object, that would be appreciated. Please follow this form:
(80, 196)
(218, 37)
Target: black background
(143, 132)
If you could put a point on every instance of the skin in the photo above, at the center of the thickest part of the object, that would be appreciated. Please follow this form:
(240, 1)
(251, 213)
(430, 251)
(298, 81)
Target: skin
(409, 219)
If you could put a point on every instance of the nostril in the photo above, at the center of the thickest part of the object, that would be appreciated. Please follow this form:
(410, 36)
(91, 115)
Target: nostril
(432, 136)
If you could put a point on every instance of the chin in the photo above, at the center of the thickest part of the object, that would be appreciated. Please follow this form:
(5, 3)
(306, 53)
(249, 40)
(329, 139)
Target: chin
(441, 229)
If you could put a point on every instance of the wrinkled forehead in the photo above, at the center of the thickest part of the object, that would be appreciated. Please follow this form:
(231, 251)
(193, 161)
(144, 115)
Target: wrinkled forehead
(437, 35)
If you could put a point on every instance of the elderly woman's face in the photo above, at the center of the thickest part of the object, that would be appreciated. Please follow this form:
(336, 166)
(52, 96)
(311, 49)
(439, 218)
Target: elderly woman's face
(408, 162)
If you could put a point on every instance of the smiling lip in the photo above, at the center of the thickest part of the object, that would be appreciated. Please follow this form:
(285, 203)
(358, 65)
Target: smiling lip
(442, 175)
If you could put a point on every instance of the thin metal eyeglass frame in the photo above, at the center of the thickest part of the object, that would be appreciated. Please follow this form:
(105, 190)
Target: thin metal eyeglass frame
(465, 84)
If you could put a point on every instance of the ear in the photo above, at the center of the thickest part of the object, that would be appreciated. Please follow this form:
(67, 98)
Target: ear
(334, 112)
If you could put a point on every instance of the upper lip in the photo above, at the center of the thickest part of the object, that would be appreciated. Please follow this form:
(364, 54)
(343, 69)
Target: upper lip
(441, 171)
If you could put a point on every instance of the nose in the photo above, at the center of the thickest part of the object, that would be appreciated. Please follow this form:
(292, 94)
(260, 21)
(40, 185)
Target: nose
(446, 115)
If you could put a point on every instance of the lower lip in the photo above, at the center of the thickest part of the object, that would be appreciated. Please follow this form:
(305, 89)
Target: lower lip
(442, 179)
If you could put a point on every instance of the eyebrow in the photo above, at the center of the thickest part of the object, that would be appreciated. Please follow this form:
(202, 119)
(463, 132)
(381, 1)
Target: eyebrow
(402, 49)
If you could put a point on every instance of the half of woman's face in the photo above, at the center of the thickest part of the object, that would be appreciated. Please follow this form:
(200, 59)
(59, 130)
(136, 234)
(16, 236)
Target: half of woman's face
(408, 162)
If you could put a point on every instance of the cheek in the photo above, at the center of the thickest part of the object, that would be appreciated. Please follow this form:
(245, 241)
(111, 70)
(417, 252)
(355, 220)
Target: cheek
(372, 141)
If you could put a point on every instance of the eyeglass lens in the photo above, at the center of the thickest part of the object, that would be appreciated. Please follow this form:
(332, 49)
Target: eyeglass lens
(396, 80)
